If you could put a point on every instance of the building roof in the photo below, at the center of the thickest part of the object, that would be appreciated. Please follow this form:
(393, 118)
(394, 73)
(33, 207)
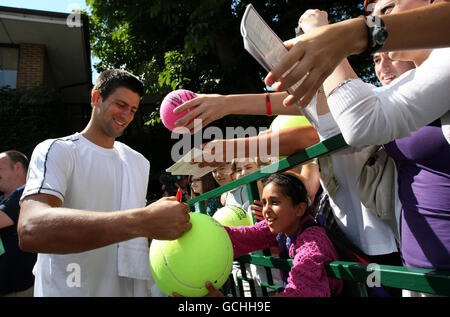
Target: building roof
(67, 48)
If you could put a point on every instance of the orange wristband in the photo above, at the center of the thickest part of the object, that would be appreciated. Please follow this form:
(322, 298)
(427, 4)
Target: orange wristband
(268, 104)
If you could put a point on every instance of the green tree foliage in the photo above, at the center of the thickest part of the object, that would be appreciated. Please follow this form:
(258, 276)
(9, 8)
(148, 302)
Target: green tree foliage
(27, 117)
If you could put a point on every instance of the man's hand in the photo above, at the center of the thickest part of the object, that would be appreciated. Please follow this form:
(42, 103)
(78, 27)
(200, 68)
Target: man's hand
(166, 219)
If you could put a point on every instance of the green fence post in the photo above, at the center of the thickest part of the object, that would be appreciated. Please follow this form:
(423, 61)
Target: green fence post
(200, 206)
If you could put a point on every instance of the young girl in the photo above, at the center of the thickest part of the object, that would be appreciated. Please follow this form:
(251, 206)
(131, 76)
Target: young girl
(223, 174)
(201, 185)
(242, 167)
(285, 210)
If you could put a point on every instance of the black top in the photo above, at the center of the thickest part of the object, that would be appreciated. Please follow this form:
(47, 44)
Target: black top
(15, 264)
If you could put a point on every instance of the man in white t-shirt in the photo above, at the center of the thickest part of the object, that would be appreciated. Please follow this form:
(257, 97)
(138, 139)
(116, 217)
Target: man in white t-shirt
(83, 207)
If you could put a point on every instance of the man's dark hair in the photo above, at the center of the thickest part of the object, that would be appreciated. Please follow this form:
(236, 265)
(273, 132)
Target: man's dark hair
(16, 156)
(109, 80)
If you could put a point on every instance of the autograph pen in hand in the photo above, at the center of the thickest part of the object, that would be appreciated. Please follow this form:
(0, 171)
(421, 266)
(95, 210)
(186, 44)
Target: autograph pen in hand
(179, 195)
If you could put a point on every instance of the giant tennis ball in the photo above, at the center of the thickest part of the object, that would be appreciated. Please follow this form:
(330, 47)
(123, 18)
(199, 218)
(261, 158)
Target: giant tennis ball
(284, 121)
(169, 103)
(202, 254)
(233, 216)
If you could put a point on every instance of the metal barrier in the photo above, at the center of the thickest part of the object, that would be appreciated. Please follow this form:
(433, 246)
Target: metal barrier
(414, 279)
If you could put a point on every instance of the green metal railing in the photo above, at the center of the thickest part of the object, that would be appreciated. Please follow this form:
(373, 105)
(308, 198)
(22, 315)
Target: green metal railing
(414, 279)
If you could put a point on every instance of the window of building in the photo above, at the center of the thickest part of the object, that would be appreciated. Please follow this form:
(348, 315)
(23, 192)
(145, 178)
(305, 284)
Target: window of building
(9, 62)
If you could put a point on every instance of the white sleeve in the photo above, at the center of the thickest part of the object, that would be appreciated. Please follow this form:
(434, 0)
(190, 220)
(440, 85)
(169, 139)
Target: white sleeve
(50, 168)
(407, 104)
(328, 128)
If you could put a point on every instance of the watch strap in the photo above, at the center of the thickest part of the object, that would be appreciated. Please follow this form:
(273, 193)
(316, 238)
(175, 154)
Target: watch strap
(377, 34)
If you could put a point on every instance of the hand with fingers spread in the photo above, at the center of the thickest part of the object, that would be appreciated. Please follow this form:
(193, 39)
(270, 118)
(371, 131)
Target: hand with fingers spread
(318, 52)
(209, 108)
(257, 210)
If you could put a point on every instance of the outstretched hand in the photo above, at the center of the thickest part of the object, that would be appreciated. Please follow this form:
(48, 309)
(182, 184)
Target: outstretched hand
(212, 155)
(256, 209)
(318, 52)
(212, 292)
(208, 108)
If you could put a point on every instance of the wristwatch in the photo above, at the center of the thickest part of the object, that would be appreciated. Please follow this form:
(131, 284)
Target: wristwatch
(377, 34)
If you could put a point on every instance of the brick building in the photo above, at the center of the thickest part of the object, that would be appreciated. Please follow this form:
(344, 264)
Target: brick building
(41, 48)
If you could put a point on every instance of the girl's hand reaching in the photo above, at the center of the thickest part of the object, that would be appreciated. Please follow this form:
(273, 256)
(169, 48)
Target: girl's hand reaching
(212, 292)
(257, 209)
(209, 108)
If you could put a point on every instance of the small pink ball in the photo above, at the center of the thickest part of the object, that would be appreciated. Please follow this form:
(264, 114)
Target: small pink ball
(170, 102)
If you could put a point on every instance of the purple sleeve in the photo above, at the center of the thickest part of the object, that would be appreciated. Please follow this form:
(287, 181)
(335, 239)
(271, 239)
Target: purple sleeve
(251, 238)
(308, 277)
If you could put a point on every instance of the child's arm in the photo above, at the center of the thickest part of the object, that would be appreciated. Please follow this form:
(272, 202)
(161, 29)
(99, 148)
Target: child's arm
(251, 238)
(307, 277)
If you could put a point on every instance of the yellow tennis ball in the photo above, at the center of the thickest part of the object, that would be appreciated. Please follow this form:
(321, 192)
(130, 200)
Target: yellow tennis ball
(284, 121)
(202, 254)
(233, 216)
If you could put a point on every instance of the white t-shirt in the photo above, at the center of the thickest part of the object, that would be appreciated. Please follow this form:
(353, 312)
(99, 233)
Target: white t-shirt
(238, 197)
(87, 177)
(372, 235)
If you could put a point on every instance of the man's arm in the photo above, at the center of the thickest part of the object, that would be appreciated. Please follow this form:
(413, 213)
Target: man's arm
(273, 143)
(46, 227)
(321, 50)
(212, 107)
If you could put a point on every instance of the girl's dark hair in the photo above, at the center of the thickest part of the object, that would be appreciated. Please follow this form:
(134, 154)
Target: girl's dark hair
(291, 186)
